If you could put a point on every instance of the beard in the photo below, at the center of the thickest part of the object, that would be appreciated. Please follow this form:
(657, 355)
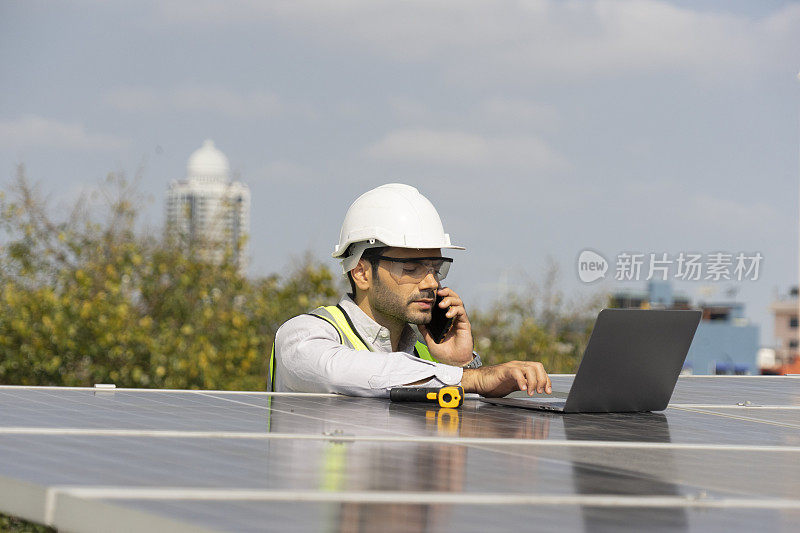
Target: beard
(393, 305)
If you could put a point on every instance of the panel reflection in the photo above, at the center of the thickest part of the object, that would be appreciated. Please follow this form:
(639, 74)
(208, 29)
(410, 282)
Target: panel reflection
(374, 466)
(606, 477)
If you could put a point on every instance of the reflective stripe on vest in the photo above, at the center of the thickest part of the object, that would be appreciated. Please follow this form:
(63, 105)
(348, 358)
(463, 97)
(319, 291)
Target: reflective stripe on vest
(336, 317)
(423, 352)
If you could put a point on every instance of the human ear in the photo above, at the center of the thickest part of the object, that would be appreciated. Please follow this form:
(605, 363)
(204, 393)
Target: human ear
(362, 275)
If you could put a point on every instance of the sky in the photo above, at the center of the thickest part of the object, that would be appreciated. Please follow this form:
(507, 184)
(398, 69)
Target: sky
(538, 129)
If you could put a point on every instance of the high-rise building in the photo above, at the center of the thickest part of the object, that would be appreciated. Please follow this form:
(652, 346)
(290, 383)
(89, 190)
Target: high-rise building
(207, 210)
(784, 308)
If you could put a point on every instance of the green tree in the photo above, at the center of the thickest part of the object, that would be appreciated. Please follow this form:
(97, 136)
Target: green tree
(88, 299)
(12, 524)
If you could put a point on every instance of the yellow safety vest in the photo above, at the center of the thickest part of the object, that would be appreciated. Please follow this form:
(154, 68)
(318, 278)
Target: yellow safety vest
(348, 336)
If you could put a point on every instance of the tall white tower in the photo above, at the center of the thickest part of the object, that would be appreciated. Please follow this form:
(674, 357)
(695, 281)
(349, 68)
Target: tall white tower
(207, 210)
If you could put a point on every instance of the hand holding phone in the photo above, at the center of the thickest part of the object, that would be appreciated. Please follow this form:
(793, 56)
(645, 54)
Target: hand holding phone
(440, 324)
(449, 339)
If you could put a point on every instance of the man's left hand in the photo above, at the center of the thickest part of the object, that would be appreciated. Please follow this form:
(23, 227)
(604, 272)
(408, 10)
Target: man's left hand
(456, 346)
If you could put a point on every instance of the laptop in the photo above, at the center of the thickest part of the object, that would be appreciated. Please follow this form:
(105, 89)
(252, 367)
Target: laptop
(631, 364)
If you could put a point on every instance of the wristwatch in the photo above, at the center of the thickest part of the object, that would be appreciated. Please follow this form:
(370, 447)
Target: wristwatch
(476, 361)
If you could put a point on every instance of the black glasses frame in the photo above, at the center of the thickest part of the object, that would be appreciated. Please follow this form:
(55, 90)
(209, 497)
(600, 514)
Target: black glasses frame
(410, 259)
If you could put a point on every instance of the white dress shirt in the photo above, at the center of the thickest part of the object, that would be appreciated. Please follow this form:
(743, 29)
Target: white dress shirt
(309, 357)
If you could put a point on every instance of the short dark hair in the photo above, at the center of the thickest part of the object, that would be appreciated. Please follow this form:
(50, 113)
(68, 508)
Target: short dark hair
(368, 254)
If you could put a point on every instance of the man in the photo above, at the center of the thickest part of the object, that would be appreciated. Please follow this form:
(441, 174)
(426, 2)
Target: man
(390, 244)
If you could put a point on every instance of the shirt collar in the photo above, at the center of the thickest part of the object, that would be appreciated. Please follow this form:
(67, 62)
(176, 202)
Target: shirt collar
(374, 333)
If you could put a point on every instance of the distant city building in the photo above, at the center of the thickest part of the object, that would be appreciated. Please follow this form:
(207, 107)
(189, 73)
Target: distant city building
(725, 341)
(659, 295)
(786, 328)
(207, 210)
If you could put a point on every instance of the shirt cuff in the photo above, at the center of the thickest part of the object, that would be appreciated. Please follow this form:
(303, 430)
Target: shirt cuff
(446, 375)
(443, 376)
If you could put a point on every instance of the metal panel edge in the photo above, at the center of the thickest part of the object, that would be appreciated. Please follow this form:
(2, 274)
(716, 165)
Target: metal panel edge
(82, 515)
(23, 499)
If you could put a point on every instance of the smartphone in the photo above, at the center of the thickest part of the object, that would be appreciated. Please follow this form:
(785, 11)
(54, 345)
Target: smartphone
(439, 324)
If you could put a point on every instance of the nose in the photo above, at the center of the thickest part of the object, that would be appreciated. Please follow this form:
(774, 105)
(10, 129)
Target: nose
(429, 281)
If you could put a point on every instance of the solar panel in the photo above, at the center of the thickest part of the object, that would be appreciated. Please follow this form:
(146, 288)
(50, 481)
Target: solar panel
(724, 456)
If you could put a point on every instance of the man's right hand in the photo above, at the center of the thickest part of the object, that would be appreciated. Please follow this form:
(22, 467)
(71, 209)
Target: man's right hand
(502, 379)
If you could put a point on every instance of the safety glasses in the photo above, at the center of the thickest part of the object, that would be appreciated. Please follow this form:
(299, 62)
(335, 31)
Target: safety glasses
(414, 269)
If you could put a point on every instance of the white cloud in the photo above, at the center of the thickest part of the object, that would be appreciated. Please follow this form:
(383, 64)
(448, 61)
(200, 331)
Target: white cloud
(684, 213)
(35, 131)
(503, 111)
(457, 148)
(532, 39)
(733, 217)
(206, 99)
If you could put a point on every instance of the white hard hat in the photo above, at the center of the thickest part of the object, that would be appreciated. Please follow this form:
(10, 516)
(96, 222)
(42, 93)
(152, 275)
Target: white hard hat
(393, 215)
